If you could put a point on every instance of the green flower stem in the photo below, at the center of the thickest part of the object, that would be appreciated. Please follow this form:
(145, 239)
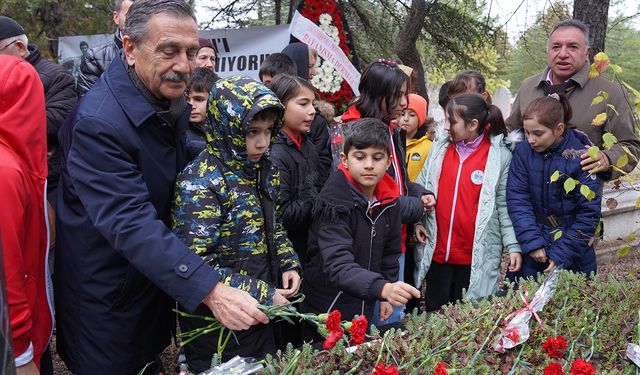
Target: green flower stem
(516, 361)
(486, 340)
(573, 344)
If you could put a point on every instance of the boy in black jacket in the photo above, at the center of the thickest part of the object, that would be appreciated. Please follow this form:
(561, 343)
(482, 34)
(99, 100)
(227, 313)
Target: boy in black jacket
(354, 239)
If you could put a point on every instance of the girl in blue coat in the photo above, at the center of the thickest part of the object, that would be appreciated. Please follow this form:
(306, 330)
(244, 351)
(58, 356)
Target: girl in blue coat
(554, 228)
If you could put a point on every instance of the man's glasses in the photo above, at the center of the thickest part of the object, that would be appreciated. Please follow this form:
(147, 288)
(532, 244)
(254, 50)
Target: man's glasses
(7, 46)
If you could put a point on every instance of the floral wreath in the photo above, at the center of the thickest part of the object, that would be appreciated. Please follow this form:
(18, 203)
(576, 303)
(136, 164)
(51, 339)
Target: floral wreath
(330, 84)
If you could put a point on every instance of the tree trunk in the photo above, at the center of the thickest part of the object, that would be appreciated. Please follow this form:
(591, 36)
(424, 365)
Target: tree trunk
(406, 43)
(278, 10)
(594, 13)
(293, 6)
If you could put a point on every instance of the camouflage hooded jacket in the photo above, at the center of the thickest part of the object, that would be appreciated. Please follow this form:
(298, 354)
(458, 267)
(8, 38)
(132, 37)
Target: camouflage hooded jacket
(222, 198)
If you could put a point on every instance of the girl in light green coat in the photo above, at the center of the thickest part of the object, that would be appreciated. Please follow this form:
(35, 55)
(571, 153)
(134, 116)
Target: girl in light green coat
(470, 226)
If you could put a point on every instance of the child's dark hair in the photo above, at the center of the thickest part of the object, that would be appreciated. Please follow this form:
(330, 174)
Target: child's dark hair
(443, 96)
(471, 106)
(365, 133)
(287, 86)
(202, 79)
(271, 113)
(549, 111)
(467, 81)
(277, 63)
(382, 79)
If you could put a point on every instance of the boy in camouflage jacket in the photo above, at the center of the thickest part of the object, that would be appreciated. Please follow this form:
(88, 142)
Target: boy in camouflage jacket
(224, 210)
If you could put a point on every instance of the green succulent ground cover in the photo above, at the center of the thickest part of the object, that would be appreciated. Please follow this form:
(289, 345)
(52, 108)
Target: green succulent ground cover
(597, 317)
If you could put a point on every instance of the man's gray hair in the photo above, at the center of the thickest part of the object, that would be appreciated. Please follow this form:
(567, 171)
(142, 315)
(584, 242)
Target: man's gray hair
(137, 24)
(118, 5)
(12, 39)
(573, 23)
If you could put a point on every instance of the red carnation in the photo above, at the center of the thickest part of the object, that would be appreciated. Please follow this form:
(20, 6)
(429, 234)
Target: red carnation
(513, 335)
(582, 367)
(358, 329)
(332, 339)
(554, 368)
(554, 346)
(441, 369)
(333, 321)
(382, 370)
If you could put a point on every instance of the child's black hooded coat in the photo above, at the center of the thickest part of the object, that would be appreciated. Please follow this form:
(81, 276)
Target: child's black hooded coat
(353, 250)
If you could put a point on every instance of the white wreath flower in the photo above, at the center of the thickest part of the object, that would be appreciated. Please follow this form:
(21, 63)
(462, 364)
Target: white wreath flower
(327, 78)
(325, 19)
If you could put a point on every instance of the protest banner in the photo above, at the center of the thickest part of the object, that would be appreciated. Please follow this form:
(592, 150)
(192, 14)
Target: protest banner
(240, 51)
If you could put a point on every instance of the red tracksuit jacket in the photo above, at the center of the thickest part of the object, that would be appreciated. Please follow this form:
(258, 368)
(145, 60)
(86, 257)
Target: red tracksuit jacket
(23, 225)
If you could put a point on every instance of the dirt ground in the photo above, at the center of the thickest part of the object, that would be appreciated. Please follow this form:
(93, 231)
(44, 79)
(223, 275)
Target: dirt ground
(615, 264)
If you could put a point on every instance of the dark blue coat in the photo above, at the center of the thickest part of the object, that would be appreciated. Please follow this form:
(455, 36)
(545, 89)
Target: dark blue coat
(118, 266)
(538, 206)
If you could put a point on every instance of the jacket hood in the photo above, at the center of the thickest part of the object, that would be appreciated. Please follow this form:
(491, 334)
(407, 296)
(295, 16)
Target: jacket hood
(572, 143)
(22, 114)
(386, 190)
(34, 54)
(351, 114)
(421, 133)
(299, 53)
(233, 103)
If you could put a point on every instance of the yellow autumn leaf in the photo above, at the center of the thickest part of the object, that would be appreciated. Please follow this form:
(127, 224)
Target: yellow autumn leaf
(599, 119)
(601, 62)
(593, 73)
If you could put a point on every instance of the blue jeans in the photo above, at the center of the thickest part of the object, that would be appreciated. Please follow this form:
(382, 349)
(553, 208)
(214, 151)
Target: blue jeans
(398, 312)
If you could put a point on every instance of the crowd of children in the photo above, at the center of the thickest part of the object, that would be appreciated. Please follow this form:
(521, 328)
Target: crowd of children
(393, 207)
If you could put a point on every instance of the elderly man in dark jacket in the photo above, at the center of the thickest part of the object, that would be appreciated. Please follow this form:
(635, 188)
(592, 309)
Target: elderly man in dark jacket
(60, 96)
(119, 268)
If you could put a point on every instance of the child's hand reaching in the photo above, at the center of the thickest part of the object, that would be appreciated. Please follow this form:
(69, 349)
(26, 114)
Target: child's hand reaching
(552, 265)
(421, 233)
(398, 293)
(291, 284)
(539, 255)
(429, 201)
(515, 262)
(385, 310)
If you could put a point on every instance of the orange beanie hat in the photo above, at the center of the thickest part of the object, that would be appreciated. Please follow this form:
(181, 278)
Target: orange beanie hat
(419, 106)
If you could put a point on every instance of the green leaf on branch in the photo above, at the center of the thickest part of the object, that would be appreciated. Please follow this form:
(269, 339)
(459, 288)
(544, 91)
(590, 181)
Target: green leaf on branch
(618, 169)
(613, 108)
(596, 100)
(622, 161)
(630, 88)
(609, 140)
(626, 149)
(586, 192)
(623, 251)
(555, 176)
(602, 95)
(617, 69)
(599, 229)
(569, 185)
(594, 151)
(599, 119)
(557, 235)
